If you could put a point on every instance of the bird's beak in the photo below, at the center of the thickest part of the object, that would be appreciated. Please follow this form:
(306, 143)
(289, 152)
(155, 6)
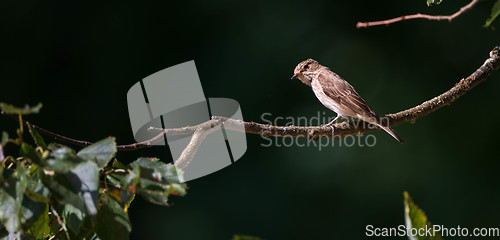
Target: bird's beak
(294, 76)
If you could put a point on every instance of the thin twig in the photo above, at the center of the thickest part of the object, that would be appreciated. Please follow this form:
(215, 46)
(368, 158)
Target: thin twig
(419, 15)
(338, 130)
(60, 221)
(81, 143)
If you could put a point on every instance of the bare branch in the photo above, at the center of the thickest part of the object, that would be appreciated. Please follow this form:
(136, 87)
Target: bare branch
(419, 15)
(338, 130)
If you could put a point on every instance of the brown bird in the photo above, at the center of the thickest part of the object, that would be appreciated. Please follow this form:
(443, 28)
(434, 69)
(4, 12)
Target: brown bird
(337, 94)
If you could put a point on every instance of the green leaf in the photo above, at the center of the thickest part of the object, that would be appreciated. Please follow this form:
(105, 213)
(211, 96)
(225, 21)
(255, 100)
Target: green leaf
(5, 138)
(78, 187)
(129, 202)
(112, 220)
(62, 158)
(88, 175)
(11, 198)
(10, 109)
(41, 229)
(245, 237)
(495, 11)
(31, 211)
(35, 210)
(3, 141)
(132, 178)
(39, 141)
(158, 193)
(124, 176)
(124, 182)
(152, 168)
(63, 190)
(29, 152)
(153, 192)
(2, 178)
(100, 152)
(433, 2)
(37, 192)
(73, 218)
(87, 231)
(415, 219)
(157, 180)
(115, 179)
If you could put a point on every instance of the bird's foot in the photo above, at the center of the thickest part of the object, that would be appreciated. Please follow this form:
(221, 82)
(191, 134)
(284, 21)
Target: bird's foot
(330, 124)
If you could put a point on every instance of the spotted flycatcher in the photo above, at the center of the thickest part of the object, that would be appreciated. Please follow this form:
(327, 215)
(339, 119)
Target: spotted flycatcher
(337, 94)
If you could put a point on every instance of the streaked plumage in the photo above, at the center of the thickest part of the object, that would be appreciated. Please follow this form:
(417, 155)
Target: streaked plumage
(337, 94)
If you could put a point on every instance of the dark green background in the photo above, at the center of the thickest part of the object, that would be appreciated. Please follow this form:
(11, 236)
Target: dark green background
(80, 59)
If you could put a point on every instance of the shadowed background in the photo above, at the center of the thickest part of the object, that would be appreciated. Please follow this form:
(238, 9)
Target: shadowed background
(80, 58)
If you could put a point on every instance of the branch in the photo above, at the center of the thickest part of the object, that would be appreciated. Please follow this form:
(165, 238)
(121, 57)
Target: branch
(419, 15)
(188, 153)
(338, 130)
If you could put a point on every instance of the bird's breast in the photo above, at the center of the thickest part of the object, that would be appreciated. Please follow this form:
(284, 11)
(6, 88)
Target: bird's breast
(324, 99)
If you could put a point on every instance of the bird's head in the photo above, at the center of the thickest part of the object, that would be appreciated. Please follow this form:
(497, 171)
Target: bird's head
(305, 70)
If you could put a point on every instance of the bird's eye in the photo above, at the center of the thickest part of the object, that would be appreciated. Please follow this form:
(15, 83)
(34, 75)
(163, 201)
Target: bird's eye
(306, 66)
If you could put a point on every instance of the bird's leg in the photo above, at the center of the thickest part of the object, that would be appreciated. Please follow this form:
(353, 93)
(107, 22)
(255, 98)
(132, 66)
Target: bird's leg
(335, 119)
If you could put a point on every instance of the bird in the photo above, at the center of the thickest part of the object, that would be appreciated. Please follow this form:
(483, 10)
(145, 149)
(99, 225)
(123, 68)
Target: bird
(338, 95)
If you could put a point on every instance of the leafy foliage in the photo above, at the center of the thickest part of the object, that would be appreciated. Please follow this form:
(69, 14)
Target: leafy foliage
(37, 137)
(101, 152)
(111, 213)
(10, 109)
(415, 218)
(11, 197)
(495, 12)
(433, 2)
(51, 190)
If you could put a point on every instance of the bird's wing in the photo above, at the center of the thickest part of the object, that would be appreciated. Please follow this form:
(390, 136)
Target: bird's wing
(344, 94)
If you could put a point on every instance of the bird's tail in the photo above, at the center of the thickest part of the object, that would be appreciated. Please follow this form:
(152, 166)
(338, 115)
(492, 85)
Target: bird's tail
(392, 133)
